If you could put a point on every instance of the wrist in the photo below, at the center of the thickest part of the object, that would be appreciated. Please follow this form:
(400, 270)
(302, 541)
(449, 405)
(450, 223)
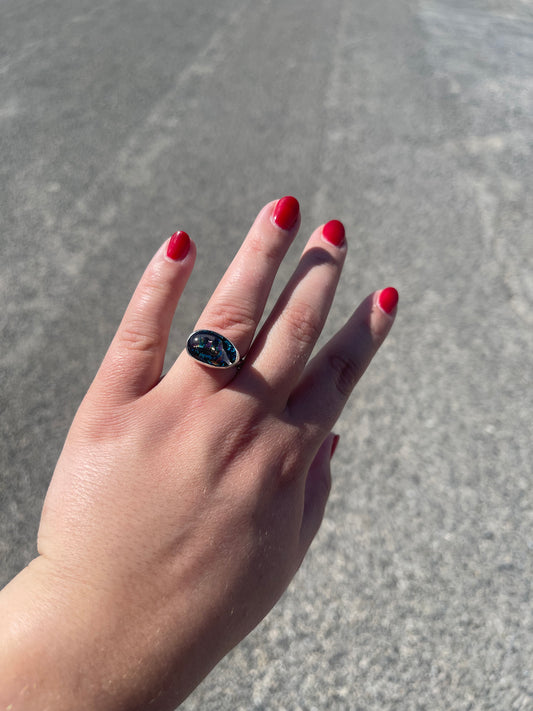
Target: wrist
(66, 644)
(53, 639)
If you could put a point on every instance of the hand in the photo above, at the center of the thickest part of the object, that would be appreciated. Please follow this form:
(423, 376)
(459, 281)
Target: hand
(181, 507)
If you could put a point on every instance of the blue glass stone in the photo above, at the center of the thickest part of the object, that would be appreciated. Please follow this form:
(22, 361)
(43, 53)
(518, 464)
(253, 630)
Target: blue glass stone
(212, 349)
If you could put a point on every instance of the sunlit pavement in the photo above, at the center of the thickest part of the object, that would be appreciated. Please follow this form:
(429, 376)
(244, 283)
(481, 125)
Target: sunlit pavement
(412, 123)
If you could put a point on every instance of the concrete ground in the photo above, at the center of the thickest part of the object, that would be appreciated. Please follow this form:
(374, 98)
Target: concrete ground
(412, 122)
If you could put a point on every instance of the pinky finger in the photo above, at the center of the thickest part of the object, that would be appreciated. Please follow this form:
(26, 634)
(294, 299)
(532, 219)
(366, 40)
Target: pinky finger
(333, 373)
(317, 488)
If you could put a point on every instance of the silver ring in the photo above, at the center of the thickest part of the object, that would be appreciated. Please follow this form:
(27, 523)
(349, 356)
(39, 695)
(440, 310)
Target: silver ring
(212, 349)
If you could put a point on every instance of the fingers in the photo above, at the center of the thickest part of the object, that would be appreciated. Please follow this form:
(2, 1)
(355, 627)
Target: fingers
(317, 488)
(285, 343)
(331, 376)
(238, 302)
(134, 361)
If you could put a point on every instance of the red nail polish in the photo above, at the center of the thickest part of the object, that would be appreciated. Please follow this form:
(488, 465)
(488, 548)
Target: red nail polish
(333, 232)
(387, 299)
(334, 445)
(286, 212)
(178, 246)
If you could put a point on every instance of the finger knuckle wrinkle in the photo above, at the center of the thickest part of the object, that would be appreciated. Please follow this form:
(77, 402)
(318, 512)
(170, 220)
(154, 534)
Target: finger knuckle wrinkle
(303, 324)
(345, 374)
(136, 338)
(231, 317)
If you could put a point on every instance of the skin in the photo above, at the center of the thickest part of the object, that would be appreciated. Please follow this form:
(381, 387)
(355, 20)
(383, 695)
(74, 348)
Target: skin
(165, 538)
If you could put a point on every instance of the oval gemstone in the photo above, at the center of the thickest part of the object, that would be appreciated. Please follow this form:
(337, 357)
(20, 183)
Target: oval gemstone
(212, 349)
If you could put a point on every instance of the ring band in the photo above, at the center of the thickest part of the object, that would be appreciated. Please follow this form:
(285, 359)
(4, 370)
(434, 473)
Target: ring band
(212, 349)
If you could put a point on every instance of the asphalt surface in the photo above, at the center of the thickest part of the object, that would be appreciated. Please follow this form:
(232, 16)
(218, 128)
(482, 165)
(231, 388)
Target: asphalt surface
(412, 122)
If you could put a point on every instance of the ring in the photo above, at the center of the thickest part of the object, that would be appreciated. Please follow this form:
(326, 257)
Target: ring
(211, 349)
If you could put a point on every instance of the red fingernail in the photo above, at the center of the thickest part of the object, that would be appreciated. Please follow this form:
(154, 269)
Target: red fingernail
(334, 445)
(387, 299)
(333, 232)
(178, 246)
(286, 212)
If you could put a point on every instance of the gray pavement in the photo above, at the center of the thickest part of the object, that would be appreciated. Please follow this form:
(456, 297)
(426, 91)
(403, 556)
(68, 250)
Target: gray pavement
(410, 121)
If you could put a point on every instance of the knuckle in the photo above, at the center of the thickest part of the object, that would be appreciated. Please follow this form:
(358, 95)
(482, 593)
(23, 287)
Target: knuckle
(136, 336)
(231, 317)
(346, 373)
(303, 324)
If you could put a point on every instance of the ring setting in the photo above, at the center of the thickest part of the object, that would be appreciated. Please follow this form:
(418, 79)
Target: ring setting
(212, 349)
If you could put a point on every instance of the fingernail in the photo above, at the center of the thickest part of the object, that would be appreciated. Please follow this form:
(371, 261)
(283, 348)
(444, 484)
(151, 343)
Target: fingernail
(387, 299)
(286, 212)
(178, 246)
(333, 232)
(334, 445)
